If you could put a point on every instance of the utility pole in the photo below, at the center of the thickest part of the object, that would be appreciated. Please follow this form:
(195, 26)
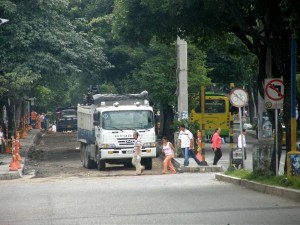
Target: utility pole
(182, 84)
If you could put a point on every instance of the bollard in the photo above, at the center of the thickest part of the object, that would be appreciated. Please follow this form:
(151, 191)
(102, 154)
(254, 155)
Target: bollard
(199, 155)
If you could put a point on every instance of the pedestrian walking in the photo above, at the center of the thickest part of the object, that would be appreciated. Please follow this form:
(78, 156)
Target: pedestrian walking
(43, 121)
(169, 151)
(137, 152)
(2, 141)
(186, 143)
(216, 145)
(33, 116)
(242, 142)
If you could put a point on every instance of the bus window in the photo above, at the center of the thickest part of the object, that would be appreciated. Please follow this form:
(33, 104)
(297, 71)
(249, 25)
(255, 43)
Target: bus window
(212, 106)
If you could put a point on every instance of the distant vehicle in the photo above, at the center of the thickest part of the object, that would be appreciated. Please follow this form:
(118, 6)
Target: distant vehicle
(217, 113)
(247, 126)
(66, 118)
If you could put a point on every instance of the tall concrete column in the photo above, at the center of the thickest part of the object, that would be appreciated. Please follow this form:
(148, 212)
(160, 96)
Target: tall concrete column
(182, 84)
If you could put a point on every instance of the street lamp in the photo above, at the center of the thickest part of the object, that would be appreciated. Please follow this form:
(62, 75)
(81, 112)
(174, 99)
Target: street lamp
(2, 21)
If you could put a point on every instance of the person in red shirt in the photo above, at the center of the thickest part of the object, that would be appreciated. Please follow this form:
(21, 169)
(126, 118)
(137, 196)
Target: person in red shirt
(216, 143)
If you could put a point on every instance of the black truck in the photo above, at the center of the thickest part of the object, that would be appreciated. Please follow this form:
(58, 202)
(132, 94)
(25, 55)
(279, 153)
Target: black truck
(66, 118)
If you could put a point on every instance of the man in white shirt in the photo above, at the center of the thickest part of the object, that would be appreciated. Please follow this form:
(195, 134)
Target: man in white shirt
(186, 143)
(242, 142)
(137, 154)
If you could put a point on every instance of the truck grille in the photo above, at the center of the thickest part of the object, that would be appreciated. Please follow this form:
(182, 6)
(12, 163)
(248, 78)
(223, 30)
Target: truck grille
(126, 141)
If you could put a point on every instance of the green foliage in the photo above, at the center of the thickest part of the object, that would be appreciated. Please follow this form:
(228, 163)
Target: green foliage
(284, 181)
(108, 89)
(191, 126)
(41, 39)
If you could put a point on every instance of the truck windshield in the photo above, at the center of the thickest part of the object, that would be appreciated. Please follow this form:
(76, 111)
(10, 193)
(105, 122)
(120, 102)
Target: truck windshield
(68, 112)
(131, 119)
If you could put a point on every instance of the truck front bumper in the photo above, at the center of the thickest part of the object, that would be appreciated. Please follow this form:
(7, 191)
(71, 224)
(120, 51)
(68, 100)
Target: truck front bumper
(126, 153)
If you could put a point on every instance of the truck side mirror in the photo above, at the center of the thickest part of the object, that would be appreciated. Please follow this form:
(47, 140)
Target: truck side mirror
(96, 118)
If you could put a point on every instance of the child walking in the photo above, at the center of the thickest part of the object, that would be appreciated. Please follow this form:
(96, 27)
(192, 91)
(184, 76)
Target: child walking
(169, 150)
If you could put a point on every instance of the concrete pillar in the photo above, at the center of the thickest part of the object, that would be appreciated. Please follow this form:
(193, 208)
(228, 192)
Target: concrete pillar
(182, 84)
(261, 156)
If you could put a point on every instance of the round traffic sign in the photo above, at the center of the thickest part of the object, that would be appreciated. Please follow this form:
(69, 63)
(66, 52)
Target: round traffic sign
(273, 89)
(238, 97)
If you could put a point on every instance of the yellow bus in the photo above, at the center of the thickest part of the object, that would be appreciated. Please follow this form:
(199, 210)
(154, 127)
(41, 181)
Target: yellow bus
(217, 114)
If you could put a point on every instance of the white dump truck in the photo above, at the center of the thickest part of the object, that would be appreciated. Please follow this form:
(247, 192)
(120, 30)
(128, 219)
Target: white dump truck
(106, 125)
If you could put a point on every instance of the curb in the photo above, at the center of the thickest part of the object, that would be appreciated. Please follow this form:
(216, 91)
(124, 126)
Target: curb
(35, 139)
(195, 169)
(11, 175)
(264, 188)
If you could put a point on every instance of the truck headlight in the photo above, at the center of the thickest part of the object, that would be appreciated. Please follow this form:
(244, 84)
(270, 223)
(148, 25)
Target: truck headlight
(107, 146)
(149, 144)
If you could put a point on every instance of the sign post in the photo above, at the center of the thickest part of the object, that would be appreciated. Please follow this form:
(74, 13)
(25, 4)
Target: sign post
(274, 95)
(239, 98)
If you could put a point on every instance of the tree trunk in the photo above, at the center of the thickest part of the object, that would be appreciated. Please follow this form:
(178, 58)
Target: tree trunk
(167, 120)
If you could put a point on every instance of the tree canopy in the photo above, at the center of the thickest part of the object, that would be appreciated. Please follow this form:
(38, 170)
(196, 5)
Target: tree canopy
(44, 53)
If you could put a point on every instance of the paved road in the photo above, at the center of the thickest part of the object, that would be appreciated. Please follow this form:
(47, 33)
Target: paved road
(188, 198)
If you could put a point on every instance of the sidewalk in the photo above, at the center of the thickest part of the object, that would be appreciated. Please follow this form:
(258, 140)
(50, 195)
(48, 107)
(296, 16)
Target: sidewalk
(5, 159)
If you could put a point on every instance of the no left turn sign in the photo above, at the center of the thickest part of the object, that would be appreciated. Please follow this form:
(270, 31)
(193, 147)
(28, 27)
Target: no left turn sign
(274, 93)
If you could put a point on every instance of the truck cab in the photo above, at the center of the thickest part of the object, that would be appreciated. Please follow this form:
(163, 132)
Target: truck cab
(66, 118)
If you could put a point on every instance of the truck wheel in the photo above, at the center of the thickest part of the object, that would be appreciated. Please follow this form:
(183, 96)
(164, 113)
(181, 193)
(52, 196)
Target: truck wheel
(148, 163)
(88, 162)
(128, 164)
(82, 147)
(101, 165)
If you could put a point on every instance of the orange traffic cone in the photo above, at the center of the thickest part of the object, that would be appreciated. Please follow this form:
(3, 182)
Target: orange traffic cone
(18, 158)
(13, 166)
(7, 149)
(18, 144)
(199, 155)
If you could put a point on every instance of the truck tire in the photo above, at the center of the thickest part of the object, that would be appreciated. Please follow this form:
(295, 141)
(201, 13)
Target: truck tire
(82, 147)
(147, 162)
(87, 161)
(101, 165)
(128, 164)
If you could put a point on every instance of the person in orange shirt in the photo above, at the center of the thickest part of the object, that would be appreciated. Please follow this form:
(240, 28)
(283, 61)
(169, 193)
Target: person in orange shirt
(33, 116)
(216, 143)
